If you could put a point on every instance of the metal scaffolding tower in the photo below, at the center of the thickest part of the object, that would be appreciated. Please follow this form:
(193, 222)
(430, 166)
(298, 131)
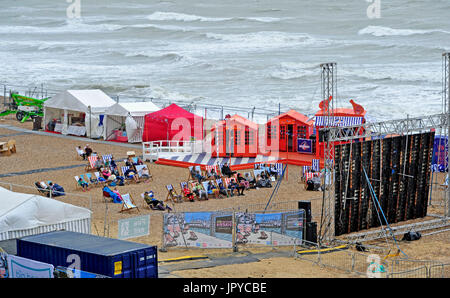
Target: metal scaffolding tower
(329, 93)
(446, 109)
(377, 129)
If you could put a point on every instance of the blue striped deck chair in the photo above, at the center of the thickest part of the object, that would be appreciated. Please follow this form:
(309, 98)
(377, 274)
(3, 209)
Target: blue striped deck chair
(124, 170)
(277, 167)
(107, 157)
(315, 165)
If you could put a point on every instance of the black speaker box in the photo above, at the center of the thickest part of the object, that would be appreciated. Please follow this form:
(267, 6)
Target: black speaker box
(306, 205)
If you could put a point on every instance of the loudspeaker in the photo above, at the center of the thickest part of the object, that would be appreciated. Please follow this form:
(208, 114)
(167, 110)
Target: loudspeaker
(306, 205)
(311, 232)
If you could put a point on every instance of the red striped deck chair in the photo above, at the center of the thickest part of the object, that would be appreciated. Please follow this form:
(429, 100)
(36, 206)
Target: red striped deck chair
(91, 165)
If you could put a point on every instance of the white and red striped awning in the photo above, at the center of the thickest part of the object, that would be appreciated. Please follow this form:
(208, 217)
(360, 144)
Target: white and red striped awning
(338, 121)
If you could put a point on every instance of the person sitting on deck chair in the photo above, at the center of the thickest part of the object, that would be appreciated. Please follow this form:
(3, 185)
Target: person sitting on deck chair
(129, 162)
(153, 203)
(251, 180)
(188, 194)
(83, 184)
(242, 181)
(198, 176)
(224, 191)
(199, 191)
(106, 173)
(213, 174)
(145, 174)
(237, 187)
(117, 193)
(212, 189)
(130, 173)
(227, 171)
(99, 164)
(43, 188)
(87, 151)
(112, 165)
(56, 189)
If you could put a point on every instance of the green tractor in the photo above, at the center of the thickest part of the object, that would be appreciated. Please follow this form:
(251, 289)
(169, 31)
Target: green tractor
(25, 107)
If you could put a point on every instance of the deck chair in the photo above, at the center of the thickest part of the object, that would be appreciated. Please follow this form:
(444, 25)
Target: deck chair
(92, 180)
(128, 203)
(208, 170)
(100, 179)
(218, 181)
(205, 187)
(91, 164)
(182, 186)
(197, 168)
(139, 169)
(106, 158)
(123, 171)
(9, 148)
(42, 188)
(80, 153)
(172, 194)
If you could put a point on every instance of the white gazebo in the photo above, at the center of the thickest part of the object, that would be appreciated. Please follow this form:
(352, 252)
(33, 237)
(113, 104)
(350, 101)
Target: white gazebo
(125, 121)
(27, 214)
(77, 112)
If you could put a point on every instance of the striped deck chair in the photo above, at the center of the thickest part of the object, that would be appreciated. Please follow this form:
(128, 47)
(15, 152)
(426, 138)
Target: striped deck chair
(208, 170)
(128, 203)
(277, 167)
(106, 158)
(308, 175)
(124, 169)
(172, 194)
(315, 165)
(91, 165)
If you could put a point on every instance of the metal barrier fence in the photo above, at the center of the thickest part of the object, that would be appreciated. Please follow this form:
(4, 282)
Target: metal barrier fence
(373, 265)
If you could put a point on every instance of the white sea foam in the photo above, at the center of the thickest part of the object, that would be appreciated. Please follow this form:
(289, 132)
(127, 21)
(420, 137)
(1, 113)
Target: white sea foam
(386, 31)
(173, 16)
(267, 39)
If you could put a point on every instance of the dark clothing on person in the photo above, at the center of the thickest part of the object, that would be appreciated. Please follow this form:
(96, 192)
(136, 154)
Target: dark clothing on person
(227, 171)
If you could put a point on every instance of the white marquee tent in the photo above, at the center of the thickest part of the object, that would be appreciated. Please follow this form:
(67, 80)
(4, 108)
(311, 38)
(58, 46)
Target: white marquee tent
(78, 112)
(128, 117)
(27, 214)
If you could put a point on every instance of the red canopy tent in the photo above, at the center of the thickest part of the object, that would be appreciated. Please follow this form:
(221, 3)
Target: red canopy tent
(172, 123)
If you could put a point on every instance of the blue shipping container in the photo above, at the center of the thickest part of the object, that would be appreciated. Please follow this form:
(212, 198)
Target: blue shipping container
(111, 257)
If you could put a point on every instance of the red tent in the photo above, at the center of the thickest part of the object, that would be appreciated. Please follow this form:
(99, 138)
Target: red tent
(172, 123)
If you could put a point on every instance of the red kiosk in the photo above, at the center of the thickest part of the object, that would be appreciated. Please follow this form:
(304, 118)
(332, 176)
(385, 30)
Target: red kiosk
(335, 118)
(283, 131)
(235, 136)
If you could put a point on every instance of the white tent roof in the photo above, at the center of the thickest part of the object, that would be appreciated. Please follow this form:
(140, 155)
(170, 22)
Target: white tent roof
(80, 100)
(134, 108)
(24, 214)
